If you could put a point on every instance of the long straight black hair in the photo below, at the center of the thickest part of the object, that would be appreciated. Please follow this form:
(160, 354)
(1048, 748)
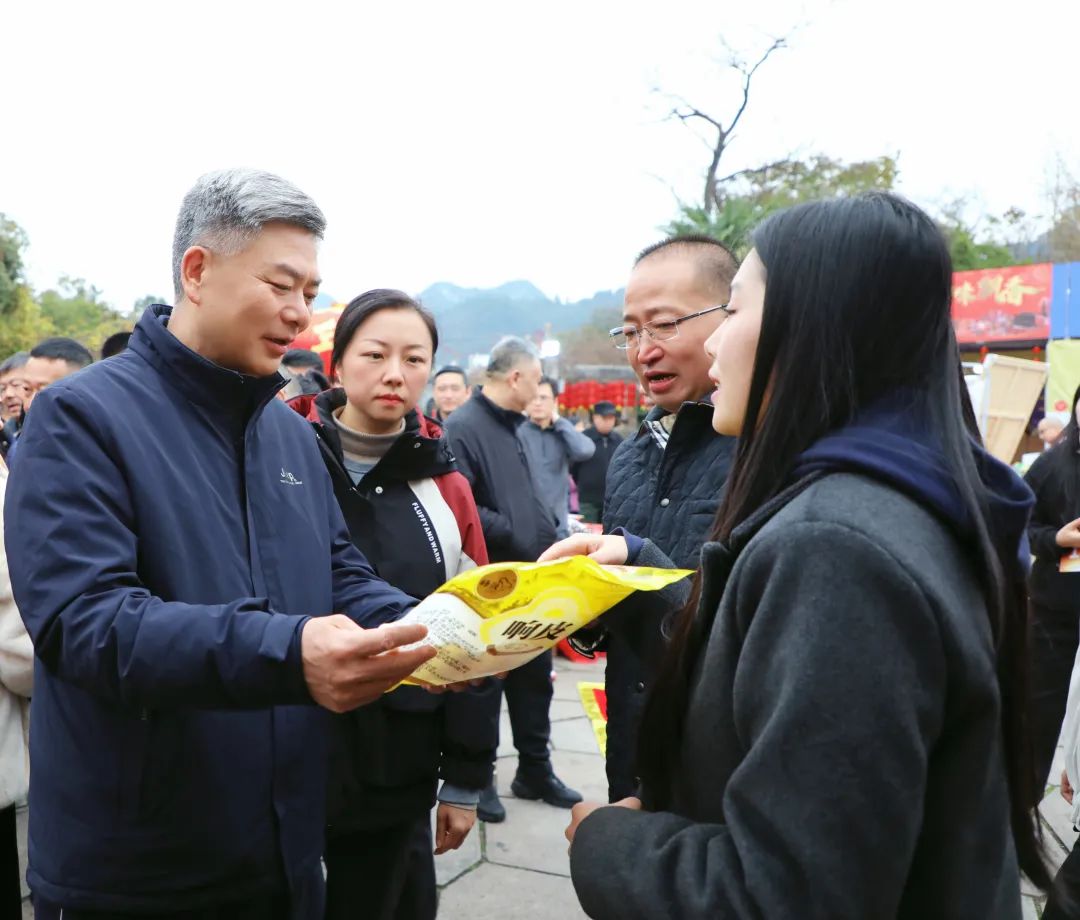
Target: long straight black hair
(1064, 458)
(857, 305)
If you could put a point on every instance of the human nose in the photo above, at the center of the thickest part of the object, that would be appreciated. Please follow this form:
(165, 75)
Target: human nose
(393, 372)
(648, 349)
(297, 312)
(713, 341)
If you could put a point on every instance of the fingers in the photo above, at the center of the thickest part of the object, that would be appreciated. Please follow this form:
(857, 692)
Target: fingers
(386, 637)
(577, 545)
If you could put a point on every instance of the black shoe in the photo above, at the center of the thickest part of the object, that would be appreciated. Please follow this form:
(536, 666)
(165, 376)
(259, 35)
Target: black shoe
(490, 809)
(545, 786)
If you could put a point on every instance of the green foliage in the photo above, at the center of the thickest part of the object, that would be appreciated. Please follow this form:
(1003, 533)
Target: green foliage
(22, 326)
(983, 244)
(12, 243)
(747, 198)
(76, 310)
(148, 300)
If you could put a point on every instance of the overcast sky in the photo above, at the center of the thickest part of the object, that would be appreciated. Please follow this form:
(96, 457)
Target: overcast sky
(482, 142)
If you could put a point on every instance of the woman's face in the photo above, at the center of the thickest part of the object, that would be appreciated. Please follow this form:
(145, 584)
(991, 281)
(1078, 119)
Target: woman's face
(733, 345)
(385, 367)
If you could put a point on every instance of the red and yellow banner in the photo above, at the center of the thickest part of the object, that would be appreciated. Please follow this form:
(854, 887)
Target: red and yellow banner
(1002, 304)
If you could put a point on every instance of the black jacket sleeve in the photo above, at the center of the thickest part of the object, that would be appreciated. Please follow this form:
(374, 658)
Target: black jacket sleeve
(1046, 516)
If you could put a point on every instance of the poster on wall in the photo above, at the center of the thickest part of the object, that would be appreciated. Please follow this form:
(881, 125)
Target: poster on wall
(1002, 305)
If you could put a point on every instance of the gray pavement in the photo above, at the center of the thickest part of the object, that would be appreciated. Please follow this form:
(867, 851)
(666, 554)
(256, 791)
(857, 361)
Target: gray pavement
(519, 870)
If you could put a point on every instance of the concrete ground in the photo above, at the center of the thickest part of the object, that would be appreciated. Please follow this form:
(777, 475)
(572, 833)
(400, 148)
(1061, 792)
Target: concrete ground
(519, 870)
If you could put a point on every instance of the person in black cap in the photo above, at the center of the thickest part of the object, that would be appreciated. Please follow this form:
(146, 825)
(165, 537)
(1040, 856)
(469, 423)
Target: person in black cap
(591, 474)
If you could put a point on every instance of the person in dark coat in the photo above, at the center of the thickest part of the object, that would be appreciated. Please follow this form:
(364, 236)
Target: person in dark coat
(518, 526)
(186, 576)
(412, 515)
(1054, 622)
(664, 483)
(832, 733)
(1054, 533)
(591, 474)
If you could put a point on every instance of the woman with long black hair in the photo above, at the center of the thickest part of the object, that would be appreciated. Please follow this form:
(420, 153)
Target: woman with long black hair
(837, 731)
(1054, 533)
(413, 516)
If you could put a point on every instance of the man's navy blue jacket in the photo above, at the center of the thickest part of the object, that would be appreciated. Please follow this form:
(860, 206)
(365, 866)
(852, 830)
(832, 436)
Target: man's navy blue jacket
(171, 525)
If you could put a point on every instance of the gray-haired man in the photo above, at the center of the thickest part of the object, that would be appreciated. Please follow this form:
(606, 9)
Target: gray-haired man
(180, 560)
(518, 526)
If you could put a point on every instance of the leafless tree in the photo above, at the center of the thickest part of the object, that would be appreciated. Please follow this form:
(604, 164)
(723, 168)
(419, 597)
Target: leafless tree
(722, 131)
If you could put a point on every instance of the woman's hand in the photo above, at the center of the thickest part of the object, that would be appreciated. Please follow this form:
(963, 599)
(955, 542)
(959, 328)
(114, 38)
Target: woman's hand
(1068, 537)
(605, 549)
(583, 809)
(1066, 788)
(452, 826)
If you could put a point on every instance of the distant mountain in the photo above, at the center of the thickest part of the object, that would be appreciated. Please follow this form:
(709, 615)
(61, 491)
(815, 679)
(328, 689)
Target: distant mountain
(471, 320)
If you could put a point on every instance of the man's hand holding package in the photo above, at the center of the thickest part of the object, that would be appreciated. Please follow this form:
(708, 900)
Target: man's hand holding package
(346, 666)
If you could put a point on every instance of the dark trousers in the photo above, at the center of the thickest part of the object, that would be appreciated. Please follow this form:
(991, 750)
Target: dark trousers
(10, 877)
(1053, 636)
(269, 908)
(528, 697)
(384, 874)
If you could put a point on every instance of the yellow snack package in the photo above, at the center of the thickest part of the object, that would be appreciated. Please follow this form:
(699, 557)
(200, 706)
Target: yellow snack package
(498, 617)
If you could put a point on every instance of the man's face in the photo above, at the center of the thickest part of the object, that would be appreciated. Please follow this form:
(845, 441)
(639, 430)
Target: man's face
(604, 424)
(41, 372)
(14, 390)
(524, 381)
(542, 407)
(249, 306)
(665, 287)
(450, 392)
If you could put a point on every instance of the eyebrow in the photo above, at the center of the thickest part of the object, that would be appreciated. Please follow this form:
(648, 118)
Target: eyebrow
(293, 273)
(650, 312)
(383, 344)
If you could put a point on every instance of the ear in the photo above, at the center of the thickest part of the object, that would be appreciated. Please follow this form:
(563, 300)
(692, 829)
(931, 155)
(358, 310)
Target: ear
(193, 269)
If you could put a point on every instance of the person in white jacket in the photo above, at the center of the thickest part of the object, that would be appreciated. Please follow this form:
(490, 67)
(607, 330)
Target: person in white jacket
(16, 680)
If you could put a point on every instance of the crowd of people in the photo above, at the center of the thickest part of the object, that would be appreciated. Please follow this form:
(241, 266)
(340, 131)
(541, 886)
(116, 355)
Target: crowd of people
(208, 538)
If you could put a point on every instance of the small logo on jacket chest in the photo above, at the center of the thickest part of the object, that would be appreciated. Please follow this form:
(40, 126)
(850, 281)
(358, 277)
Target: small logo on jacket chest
(289, 479)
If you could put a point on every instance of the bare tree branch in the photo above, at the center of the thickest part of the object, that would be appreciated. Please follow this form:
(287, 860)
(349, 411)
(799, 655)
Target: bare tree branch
(686, 113)
(748, 75)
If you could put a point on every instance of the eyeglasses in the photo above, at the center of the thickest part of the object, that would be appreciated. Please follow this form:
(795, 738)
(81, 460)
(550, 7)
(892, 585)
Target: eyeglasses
(625, 337)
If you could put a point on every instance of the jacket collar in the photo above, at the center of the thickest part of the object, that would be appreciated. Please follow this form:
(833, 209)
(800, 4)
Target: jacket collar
(506, 417)
(696, 412)
(205, 383)
(418, 454)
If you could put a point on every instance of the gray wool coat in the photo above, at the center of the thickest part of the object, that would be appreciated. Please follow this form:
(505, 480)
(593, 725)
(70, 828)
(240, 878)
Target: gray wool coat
(842, 756)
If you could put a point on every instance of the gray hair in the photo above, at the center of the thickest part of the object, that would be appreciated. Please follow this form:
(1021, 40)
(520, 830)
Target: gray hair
(226, 210)
(510, 352)
(15, 362)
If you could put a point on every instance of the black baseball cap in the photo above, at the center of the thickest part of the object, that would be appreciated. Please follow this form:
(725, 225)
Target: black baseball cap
(604, 408)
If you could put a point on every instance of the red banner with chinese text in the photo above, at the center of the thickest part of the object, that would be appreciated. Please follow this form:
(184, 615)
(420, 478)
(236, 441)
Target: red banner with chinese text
(997, 305)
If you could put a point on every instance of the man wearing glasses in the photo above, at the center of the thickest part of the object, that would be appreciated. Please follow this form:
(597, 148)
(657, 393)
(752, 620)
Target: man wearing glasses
(665, 483)
(14, 391)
